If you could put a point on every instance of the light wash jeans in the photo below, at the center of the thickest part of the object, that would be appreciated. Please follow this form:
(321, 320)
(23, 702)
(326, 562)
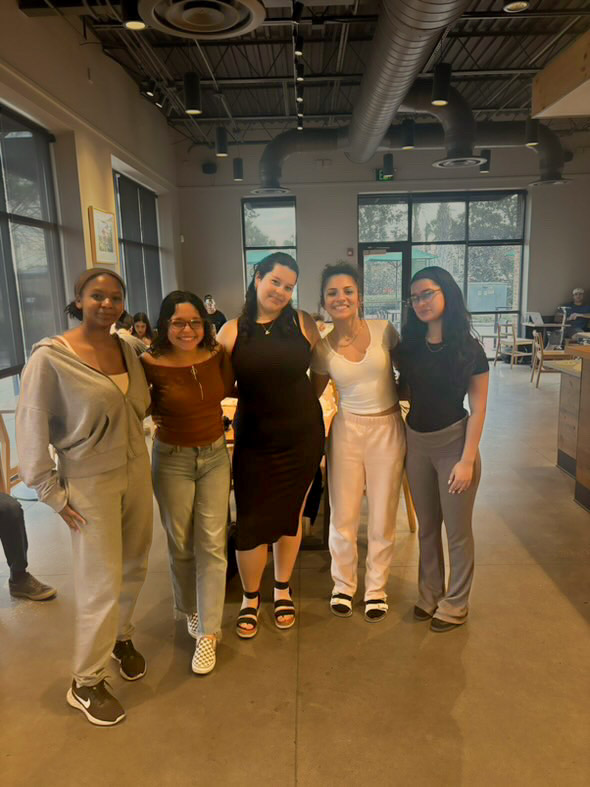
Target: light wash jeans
(192, 489)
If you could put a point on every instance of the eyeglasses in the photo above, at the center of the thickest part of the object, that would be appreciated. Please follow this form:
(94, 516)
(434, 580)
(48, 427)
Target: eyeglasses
(424, 297)
(180, 325)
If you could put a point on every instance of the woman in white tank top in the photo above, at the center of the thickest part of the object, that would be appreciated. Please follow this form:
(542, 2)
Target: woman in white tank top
(366, 445)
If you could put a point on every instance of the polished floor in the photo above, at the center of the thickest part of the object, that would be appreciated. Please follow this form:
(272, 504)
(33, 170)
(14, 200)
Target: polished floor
(502, 701)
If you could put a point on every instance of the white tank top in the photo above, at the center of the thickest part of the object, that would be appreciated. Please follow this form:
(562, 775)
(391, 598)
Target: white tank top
(366, 386)
(120, 380)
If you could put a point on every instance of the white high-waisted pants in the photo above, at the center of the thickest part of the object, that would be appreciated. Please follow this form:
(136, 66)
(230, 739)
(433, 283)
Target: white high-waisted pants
(364, 449)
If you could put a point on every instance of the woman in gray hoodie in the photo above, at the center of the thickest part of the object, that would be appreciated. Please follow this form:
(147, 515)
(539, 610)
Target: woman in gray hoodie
(85, 394)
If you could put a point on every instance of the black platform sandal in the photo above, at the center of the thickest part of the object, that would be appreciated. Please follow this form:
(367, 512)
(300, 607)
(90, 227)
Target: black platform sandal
(284, 607)
(248, 615)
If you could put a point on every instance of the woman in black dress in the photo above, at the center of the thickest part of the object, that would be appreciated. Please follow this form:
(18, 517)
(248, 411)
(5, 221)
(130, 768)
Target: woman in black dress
(279, 433)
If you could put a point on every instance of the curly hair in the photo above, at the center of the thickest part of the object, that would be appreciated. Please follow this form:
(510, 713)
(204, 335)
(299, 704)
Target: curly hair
(457, 330)
(286, 322)
(340, 268)
(162, 343)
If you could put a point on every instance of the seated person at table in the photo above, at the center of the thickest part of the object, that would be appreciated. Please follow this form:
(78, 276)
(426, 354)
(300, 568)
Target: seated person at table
(577, 313)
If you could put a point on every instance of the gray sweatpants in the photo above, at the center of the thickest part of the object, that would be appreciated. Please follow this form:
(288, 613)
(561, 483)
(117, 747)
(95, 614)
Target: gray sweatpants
(430, 459)
(110, 560)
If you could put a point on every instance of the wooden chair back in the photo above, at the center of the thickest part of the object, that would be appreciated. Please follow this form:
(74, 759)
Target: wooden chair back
(9, 476)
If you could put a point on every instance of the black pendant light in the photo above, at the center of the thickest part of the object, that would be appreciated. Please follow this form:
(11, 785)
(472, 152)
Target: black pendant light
(388, 165)
(298, 45)
(300, 72)
(297, 13)
(441, 85)
(408, 134)
(130, 15)
(531, 133)
(221, 142)
(299, 94)
(484, 167)
(192, 94)
(238, 170)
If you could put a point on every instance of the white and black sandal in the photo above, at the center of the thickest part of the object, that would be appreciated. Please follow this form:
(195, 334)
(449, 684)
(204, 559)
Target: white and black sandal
(341, 605)
(375, 609)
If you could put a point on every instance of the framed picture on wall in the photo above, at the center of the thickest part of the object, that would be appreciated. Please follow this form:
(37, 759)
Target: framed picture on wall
(103, 236)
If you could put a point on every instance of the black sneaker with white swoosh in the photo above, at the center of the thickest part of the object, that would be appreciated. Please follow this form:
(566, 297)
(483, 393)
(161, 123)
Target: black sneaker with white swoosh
(96, 703)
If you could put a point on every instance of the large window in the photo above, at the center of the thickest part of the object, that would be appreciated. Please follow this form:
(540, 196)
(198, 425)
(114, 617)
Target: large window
(478, 237)
(139, 246)
(268, 225)
(31, 280)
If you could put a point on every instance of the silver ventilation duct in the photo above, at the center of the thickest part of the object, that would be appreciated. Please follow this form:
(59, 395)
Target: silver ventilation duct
(456, 119)
(407, 32)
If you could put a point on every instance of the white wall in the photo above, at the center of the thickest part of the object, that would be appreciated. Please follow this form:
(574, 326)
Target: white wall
(326, 197)
(64, 82)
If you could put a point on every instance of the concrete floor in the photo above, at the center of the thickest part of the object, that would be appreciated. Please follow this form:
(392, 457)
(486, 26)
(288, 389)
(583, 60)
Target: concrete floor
(502, 701)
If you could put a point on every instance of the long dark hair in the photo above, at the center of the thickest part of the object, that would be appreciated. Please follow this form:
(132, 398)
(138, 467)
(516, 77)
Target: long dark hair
(287, 320)
(340, 268)
(161, 342)
(457, 331)
(142, 317)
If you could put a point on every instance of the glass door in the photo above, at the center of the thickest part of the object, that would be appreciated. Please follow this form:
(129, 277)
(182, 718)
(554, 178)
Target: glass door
(386, 272)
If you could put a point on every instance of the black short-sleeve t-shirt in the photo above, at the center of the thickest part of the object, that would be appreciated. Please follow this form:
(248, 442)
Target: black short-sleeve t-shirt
(436, 399)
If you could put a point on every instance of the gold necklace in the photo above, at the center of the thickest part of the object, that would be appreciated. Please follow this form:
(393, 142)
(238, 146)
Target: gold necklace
(353, 337)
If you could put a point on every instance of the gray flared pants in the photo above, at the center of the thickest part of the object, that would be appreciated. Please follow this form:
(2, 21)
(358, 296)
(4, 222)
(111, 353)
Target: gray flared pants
(430, 459)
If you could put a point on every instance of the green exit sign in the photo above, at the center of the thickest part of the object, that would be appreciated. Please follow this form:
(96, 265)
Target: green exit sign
(380, 176)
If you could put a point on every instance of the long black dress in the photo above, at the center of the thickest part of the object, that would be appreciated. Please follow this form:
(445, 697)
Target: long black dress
(279, 433)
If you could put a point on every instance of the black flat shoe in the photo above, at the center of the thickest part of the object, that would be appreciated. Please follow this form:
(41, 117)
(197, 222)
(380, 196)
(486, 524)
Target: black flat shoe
(420, 614)
(442, 625)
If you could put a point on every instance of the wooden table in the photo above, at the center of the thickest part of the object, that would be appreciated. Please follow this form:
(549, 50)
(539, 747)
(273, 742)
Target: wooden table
(569, 407)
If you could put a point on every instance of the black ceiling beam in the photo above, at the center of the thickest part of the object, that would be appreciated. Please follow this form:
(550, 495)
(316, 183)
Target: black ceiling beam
(355, 79)
(180, 119)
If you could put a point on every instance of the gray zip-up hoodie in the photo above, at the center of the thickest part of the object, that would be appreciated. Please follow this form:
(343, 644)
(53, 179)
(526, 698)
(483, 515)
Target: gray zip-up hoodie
(92, 425)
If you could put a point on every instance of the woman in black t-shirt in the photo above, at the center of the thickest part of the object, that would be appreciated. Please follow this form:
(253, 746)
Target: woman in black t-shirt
(440, 362)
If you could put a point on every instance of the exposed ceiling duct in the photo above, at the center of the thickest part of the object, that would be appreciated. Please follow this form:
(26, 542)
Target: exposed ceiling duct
(456, 119)
(407, 32)
(431, 136)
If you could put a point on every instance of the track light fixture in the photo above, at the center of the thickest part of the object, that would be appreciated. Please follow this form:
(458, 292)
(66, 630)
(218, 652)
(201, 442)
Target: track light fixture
(299, 124)
(221, 142)
(299, 112)
(149, 88)
(297, 13)
(484, 168)
(192, 94)
(159, 98)
(238, 170)
(299, 94)
(441, 85)
(299, 72)
(130, 15)
(298, 45)
(388, 165)
(516, 7)
(408, 134)
(531, 133)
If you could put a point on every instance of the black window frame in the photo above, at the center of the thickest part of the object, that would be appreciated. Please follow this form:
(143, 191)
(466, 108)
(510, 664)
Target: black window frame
(8, 275)
(142, 245)
(488, 195)
(270, 202)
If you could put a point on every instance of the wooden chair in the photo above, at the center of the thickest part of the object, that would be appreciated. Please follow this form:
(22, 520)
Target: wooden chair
(9, 475)
(508, 343)
(540, 355)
